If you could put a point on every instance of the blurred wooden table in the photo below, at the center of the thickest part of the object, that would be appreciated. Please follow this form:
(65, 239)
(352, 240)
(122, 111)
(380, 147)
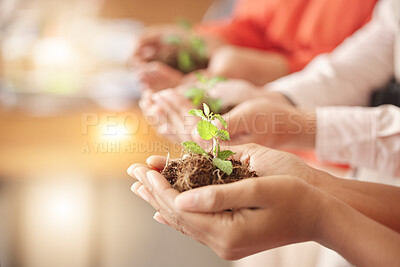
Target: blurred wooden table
(155, 11)
(79, 140)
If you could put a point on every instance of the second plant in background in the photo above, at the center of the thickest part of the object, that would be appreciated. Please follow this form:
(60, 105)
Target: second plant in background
(199, 95)
(185, 53)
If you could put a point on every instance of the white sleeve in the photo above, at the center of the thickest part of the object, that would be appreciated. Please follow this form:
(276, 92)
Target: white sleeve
(348, 75)
(360, 137)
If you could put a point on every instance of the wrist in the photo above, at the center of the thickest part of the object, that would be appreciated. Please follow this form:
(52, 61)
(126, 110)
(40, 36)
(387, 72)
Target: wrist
(331, 227)
(326, 213)
(309, 126)
(301, 129)
(316, 211)
(277, 97)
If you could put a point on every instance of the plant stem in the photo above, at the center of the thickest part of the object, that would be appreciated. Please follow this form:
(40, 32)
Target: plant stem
(215, 146)
(215, 140)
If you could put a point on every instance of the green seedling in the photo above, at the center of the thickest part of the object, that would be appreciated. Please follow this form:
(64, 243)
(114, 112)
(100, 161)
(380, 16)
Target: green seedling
(200, 94)
(191, 51)
(209, 131)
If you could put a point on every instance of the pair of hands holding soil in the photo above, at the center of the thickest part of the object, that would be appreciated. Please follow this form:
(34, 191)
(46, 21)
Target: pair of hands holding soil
(266, 118)
(288, 203)
(278, 208)
(159, 46)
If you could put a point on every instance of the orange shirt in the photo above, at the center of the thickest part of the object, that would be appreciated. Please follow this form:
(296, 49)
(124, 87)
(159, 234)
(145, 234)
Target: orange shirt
(297, 29)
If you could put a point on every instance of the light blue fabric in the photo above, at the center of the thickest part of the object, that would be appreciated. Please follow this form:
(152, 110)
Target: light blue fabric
(220, 9)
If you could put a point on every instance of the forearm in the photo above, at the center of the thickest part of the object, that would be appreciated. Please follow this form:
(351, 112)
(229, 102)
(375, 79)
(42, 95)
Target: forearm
(258, 67)
(261, 67)
(356, 237)
(299, 129)
(377, 201)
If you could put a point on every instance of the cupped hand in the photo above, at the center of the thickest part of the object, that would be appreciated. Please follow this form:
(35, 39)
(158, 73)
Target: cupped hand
(233, 92)
(267, 212)
(152, 40)
(262, 120)
(156, 75)
(168, 112)
(270, 123)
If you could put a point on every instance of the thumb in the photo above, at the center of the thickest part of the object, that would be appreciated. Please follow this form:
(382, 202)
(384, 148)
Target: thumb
(156, 162)
(239, 121)
(216, 198)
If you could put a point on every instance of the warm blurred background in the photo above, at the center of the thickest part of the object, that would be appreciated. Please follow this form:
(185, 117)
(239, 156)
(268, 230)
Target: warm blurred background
(70, 127)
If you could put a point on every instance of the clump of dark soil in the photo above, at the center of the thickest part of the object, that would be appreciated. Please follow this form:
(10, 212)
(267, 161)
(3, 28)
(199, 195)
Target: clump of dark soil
(171, 59)
(195, 170)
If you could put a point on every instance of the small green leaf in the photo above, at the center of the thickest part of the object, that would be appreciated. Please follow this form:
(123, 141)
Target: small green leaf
(224, 135)
(194, 148)
(221, 120)
(201, 77)
(175, 40)
(206, 130)
(225, 154)
(198, 46)
(223, 165)
(196, 95)
(185, 61)
(197, 101)
(206, 109)
(194, 92)
(215, 104)
(185, 24)
(198, 113)
(213, 81)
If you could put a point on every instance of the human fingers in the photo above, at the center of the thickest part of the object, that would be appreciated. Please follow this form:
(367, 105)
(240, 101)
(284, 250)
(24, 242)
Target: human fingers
(133, 173)
(155, 116)
(239, 120)
(147, 46)
(218, 198)
(166, 195)
(244, 152)
(174, 119)
(191, 224)
(145, 190)
(267, 161)
(144, 194)
(176, 102)
(249, 193)
(157, 162)
(159, 218)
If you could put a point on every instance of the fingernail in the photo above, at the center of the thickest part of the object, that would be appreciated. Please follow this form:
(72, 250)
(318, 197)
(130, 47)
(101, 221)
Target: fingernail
(143, 194)
(130, 169)
(187, 200)
(158, 217)
(136, 174)
(135, 187)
